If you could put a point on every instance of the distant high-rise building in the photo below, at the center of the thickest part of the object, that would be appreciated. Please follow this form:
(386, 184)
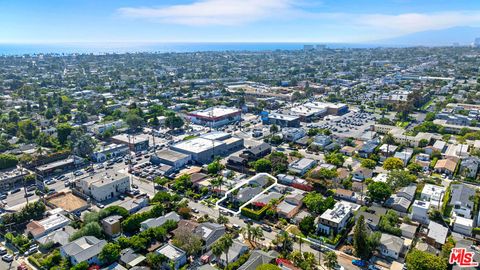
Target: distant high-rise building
(321, 47)
(476, 43)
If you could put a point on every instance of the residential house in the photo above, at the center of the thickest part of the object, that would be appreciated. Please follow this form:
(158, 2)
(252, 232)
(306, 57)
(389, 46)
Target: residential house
(302, 166)
(420, 211)
(402, 200)
(247, 193)
(84, 249)
(368, 147)
(423, 160)
(348, 150)
(257, 258)
(391, 246)
(387, 150)
(463, 225)
(345, 194)
(335, 219)
(446, 166)
(112, 225)
(372, 219)
(256, 152)
(290, 206)
(404, 155)
(40, 228)
(408, 231)
(130, 259)
(461, 199)
(322, 140)
(469, 166)
(361, 173)
(175, 255)
(234, 252)
(210, 233)
(437, 234)
(157, 222)
(434, 194)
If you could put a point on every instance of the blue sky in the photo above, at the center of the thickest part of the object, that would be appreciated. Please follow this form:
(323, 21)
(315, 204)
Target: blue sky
(59, 21)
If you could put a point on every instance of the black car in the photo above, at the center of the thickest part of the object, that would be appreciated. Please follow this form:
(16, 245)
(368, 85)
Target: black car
(266, 228)
(15, 190)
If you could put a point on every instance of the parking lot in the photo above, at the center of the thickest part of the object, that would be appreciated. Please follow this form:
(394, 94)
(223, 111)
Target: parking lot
(352, 124)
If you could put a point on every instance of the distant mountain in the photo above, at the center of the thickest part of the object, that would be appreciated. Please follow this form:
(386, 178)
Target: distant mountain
(443, 37)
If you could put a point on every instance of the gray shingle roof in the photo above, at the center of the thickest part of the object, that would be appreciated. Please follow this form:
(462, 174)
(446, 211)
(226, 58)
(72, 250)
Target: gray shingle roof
(84, 248)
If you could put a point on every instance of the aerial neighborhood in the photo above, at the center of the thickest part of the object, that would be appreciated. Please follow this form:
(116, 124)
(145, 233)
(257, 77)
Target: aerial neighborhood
(318, 158)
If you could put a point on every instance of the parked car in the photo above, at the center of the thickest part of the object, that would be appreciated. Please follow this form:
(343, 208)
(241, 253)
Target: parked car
(359, 263)
(3, 251)
(29, 194)
(266, 228)
(15, 190)
(3, 197)
(78, 173)
(7, 258)
(31, 188)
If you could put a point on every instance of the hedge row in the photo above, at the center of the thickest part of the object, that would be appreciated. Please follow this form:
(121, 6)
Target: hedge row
(255, 214)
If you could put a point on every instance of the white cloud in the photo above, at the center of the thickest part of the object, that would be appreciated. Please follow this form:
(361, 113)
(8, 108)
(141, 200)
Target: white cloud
(416, 22)
(213, 12)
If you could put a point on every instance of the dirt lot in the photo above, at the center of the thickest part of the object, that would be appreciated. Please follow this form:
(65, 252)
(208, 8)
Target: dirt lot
(68, 202)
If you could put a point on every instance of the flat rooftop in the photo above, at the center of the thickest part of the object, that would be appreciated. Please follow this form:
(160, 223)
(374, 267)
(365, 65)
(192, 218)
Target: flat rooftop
(170, 252)
(53, 221)
(215, 112)
(101, 179)
(133, 139)
(285, 117)
(198, 145)
(55, 164)
(171, 155)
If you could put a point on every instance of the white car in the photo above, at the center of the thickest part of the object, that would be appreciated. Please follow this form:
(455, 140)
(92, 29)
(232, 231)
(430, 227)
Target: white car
(7, 257)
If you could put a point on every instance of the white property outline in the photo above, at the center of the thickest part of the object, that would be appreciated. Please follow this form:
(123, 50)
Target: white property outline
(252, 199)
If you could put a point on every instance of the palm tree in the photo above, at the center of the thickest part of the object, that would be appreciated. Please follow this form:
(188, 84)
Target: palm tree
(300, 242)
(217, 250)
(227, 243)
(284, 241)
(247, 231)
(257, 233)
(331, 260)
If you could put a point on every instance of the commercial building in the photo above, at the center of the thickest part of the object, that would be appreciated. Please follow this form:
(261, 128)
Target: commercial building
(173, 158)
(204, 149)
(135, 143)
(105, 186)
(12, 177)
(110, 151)
(215, 116)
(56, 166)
(308, 114)
(329, 108)
(284, 120)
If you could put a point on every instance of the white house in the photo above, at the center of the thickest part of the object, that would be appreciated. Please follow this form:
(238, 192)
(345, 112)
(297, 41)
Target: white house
(390, 246)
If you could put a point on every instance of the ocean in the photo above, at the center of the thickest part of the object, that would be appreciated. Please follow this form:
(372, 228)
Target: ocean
(101, 48)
